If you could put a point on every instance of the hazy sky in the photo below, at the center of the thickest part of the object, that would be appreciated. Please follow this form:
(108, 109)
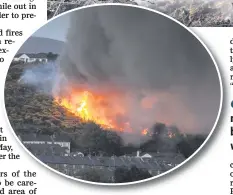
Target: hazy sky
(55, 29)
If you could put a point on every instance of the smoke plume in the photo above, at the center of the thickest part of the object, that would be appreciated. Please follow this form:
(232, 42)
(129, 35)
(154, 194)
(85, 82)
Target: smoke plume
(155, 63)
(148, 68)
(42, 77)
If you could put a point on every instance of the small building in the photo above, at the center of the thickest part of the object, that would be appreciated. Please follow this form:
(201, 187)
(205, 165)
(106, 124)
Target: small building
(34, 138)
(76, 165)
(30, 58)
(48, 149)
(139, 154)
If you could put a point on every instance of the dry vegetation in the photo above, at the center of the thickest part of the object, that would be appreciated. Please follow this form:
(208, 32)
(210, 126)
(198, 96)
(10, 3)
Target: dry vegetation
(30, 110)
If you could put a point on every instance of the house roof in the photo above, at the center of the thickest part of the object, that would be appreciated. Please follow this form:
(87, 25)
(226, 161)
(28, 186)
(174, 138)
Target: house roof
(35, 137)
(48, 149)
(153, 154)
(45, 138)
(33, 55)
(60, 137)
(150, 153)
(18, 55)
(152, 164)
(133, 154)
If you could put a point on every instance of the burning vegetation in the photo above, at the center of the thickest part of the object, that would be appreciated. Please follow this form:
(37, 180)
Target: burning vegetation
(98, 108)
(107, 109)
(32, 111)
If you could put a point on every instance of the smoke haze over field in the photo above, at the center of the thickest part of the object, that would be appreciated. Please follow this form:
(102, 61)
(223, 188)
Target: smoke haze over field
(33, 75)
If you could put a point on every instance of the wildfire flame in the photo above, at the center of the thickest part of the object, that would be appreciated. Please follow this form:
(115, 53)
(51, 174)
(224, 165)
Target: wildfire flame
(145, 131)
(111, 109)
(102, 109)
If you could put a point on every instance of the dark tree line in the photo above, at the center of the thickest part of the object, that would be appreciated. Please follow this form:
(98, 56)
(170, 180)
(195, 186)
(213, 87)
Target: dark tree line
(124, 175)
(51, 56)
(94, 140)
(119, 175)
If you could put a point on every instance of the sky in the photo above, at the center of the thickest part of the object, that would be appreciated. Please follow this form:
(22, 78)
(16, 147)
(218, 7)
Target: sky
(55, 29)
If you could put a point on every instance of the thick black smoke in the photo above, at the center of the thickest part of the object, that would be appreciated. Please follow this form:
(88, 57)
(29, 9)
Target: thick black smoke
(145, 55)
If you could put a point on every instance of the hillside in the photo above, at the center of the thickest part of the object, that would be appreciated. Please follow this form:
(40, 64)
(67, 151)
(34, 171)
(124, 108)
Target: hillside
(31, 111)
(41, 45)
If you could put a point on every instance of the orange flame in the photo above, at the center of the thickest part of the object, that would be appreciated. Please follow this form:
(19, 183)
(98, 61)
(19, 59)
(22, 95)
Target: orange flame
(145, 131)
(108, 109)
(105, 109)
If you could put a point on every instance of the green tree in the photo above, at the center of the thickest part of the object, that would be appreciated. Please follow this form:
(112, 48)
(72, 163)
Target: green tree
(94, 140)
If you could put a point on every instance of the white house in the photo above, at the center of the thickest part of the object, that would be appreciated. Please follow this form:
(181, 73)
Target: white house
(143, 155)
(29, 58)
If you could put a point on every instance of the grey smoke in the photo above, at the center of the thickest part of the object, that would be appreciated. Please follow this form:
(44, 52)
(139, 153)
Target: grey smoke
(143, 54)
(148, 58)
(42, 77)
